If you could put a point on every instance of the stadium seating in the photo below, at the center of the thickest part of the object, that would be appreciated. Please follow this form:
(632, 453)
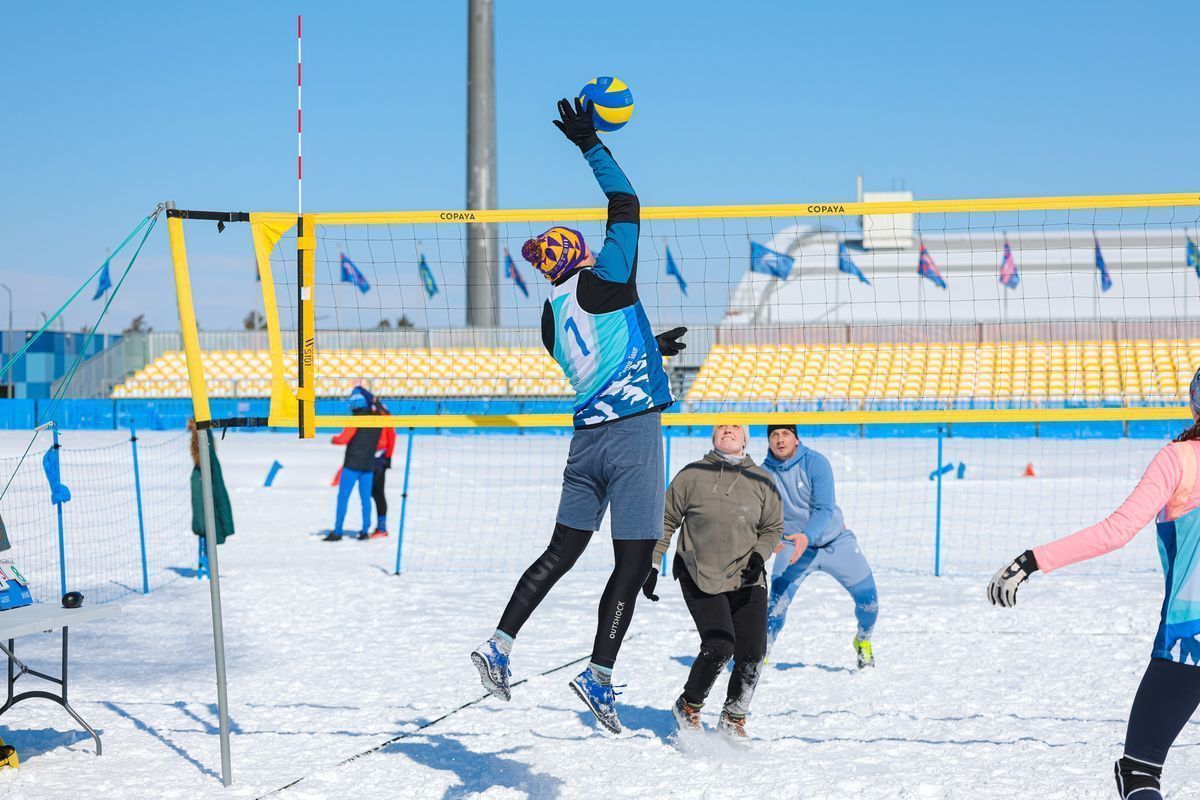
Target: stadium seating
(1130, 371)
(478, 372)
(1141, 371)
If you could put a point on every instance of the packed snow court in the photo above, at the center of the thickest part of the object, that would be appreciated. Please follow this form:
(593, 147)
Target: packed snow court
(962, 703)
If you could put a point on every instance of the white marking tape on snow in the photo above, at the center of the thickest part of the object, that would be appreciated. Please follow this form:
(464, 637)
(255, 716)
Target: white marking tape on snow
(432, 722)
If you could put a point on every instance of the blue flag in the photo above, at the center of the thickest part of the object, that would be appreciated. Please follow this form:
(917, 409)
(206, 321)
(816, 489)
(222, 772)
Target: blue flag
(510, 270)
(59, 493)
(1105, 278)
(351, 274)
(1009, 275)
(1193, 256)
(770, 262)
(927, 269)
(104, 284)
(847, 266)
(673, 271)
(431, 287)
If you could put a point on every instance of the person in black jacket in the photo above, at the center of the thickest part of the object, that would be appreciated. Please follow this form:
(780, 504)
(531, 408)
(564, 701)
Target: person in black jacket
(358, 466)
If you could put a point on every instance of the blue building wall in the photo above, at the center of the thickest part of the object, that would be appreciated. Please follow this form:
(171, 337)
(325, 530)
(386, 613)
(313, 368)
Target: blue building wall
(47, 360)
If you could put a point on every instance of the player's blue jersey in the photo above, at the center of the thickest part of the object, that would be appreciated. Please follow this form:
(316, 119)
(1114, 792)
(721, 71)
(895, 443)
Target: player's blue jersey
(594, 324)
(610, 358)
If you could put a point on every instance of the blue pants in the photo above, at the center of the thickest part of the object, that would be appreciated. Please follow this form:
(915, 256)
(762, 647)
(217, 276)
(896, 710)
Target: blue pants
(350, 479)
(841, 559)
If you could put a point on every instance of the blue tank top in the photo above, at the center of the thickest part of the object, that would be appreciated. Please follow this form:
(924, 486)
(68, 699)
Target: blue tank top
(1179, 550)
(611, 359)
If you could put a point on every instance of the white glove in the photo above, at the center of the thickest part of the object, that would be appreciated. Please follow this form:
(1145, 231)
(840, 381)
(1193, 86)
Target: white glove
(1002, 591)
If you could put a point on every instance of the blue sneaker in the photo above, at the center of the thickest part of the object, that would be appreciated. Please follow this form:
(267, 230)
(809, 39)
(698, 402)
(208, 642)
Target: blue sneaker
(599, 697)
(494, 673)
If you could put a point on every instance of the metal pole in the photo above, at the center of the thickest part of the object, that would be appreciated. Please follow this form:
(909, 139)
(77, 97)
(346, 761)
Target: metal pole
(62, 545)
(482, 288)
(666, 480)
(214, 590)
(8, 342)
(137, 495)
(937, 524)
(404, 500)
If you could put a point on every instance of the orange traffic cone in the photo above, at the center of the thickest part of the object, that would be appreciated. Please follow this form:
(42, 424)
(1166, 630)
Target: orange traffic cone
(1029, 471)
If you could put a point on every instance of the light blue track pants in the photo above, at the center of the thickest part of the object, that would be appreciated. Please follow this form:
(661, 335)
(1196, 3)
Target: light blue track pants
(841, 559)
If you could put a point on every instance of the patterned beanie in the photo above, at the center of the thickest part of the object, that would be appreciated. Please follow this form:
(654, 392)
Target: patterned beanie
(556, 252)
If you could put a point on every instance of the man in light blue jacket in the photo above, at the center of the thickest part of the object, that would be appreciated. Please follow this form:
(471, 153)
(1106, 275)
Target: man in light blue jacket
(815, 538)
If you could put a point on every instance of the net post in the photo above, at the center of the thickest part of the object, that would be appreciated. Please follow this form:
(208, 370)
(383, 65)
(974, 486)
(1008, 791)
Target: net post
(214, 589)
(187, 317)
(137, 496)
(937, 520)
(306, 335)
(62, 543)
(666, 479)
(404, 500)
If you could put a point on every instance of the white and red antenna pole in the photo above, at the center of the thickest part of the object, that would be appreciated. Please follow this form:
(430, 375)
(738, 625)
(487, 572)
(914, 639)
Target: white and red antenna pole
(299, 117)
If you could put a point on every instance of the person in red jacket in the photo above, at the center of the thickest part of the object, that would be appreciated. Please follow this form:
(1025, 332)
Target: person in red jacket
(383, 462)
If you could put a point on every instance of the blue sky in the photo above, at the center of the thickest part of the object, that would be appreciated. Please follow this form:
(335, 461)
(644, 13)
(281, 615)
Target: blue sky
(113, 107)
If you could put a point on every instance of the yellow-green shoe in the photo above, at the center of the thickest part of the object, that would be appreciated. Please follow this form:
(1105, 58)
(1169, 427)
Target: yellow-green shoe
(862, 648)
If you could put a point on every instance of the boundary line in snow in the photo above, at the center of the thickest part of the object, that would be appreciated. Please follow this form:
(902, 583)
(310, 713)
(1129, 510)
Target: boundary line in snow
(431, 723)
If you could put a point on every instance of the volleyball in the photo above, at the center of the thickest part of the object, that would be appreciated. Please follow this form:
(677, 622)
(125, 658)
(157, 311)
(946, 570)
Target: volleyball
(612, 102)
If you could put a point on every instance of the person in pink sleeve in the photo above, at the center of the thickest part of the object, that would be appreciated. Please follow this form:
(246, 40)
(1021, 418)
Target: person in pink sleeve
(1169, 694)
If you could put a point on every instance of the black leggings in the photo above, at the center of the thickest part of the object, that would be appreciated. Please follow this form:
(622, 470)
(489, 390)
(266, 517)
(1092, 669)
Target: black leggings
(1165, 701)
(377, 491)
(616, 604)
(731, 625)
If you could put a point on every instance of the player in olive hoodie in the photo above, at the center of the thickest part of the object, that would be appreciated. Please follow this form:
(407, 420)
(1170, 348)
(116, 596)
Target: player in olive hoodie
(732, 519)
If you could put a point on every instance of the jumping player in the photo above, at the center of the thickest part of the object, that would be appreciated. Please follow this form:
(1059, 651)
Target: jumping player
(732, 519)
(815, 538)
(1170, 689)
(596, 329)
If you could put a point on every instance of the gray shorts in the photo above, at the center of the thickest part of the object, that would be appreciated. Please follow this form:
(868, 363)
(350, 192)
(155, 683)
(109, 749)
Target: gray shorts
(618, 464)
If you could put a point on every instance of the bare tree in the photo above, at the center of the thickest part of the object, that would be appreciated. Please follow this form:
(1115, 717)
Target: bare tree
(138, 325)
(254, 322)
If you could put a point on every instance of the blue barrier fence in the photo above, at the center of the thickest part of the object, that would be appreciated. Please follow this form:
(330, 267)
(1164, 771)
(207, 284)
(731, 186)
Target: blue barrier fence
(159, 415)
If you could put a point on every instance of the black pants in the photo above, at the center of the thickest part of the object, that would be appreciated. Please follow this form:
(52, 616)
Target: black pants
(377, 491)
(1165, 701)
(731, 625)
(616, 604)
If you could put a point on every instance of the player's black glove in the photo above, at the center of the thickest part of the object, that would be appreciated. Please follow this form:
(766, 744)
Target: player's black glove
(668, 341)
(1002, 591)
(754, 569)
(577, 123)
(386, 462)
(651, 582)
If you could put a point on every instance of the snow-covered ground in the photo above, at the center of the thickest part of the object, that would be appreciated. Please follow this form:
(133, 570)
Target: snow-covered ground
(330, 654)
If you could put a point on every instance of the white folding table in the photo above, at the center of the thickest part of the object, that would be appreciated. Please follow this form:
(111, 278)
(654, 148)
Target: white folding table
(39, 618)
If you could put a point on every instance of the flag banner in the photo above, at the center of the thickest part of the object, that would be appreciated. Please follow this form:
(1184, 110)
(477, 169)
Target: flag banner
(1009, 275)
(927, 269)
(351, 274)
(431, 287)
(510, 272)
(770, 262)
(1105, 278)
(104, 284)
(846, 265)
(673, 271)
